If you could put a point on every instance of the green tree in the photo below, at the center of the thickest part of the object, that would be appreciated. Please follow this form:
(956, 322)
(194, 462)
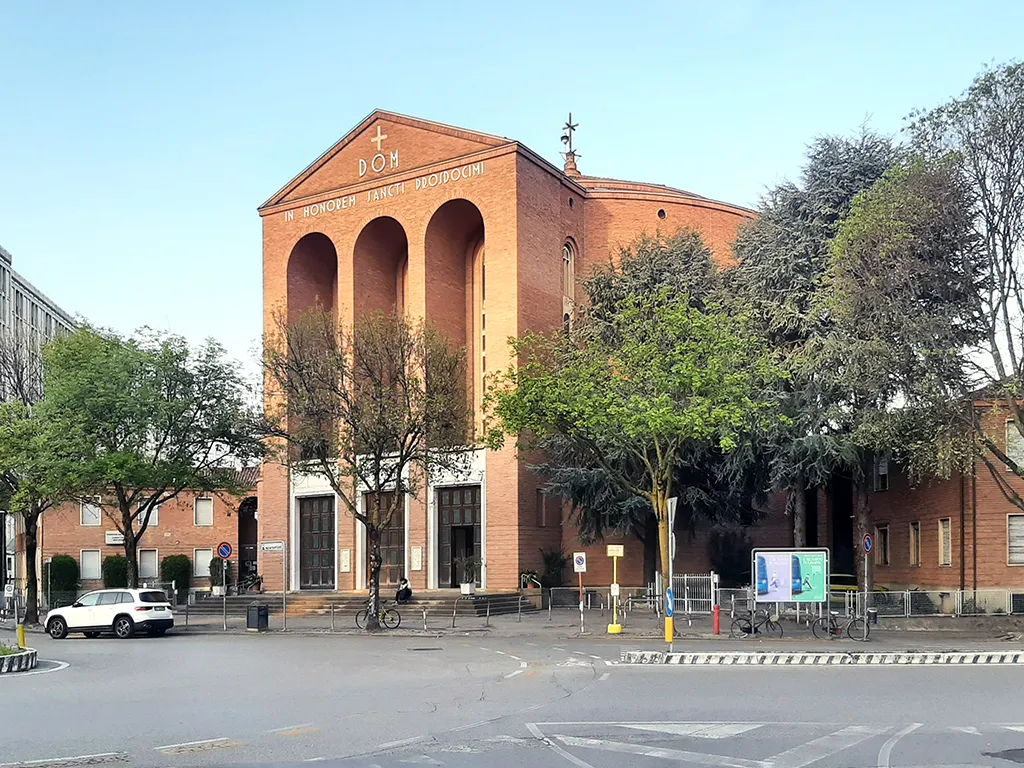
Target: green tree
(637, 387)
(981, 134)
(783, 258)
(146, 418)
(378, 409)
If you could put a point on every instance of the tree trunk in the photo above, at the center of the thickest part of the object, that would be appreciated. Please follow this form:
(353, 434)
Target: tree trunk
(373, 534)
(664, 534)
(799, 496)
(131, 556)
(31, 579)
(862, 527)
(650, 540)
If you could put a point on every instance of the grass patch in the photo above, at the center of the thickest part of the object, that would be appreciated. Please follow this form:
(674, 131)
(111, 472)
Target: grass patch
(6, 650)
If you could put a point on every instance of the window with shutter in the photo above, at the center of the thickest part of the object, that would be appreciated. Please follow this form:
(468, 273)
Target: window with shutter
(915, 543)
(945, 543)
(90, 567)
(1014, 443)
(1015, 539)
(148, 564)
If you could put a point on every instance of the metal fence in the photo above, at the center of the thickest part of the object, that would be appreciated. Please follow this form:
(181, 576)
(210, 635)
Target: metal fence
(694, 592)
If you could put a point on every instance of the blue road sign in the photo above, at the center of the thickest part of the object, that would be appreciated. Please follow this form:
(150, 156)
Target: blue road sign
(224, 550)
(670, 603)
(868, 543)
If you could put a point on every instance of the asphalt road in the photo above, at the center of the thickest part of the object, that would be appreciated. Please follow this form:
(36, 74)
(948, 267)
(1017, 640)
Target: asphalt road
(475, 700)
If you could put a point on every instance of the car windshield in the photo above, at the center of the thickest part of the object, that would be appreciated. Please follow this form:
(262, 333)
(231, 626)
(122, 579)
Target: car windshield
(152, 597)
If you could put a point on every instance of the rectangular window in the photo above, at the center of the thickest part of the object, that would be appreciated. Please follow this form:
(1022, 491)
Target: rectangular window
(201, 562)
(1014, 443)
(1015, 539)
(91, 514)
(915, 543)
(204, 512)
(945, 543)
(148, 568)
(882, 545)
(541, 511)
(882, 473)
(154, 517)
(90, 570)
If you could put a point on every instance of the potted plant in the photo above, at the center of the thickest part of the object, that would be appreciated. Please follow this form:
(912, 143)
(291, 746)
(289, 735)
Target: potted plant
(218, 583)
(529, 580)
(468, 569)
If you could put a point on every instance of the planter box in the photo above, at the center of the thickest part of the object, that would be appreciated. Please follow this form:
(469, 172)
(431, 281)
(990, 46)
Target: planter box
(218, 591)
(468, 589)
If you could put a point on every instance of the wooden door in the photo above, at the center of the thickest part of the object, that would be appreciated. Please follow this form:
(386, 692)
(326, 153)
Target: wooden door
(392, 543)
(316, 542)
(458, 527)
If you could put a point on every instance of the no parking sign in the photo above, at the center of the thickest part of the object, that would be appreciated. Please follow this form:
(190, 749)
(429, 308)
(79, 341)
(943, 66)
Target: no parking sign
(224, 550)
(579, 562)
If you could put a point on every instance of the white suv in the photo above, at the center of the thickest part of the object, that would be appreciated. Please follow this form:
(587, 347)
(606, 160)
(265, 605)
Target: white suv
(121, 611)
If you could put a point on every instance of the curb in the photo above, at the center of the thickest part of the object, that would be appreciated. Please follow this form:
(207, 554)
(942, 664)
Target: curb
(19, 662)
(806, 658)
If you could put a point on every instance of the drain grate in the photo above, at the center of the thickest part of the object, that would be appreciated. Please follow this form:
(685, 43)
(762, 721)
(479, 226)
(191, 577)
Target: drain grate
(424, 649)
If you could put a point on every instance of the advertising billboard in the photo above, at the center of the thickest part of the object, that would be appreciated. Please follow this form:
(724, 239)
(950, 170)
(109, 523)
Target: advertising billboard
(790, 575)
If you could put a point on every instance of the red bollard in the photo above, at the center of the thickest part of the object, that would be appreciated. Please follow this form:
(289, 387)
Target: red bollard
(716, 622)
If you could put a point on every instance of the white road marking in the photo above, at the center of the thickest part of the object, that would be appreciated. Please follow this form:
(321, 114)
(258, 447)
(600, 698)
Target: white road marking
(191, 743)
(61, 665)
(574, 662)
(594, 657)
(966, 729)
(556, 648)
(678, 755)
(77, 758)
(812, 751)
(1018, 728)
(886, 750)
(513, 674)
(513, 657)
(610, 663)
(421, 760)
(532, 727)
(696, 730)
(522, 664)
(290, 728)
(394, 745)
(604, 677)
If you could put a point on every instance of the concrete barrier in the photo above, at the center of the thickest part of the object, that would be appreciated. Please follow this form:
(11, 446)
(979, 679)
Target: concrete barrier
(19, 662)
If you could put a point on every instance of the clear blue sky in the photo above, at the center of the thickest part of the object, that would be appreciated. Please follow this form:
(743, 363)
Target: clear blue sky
(137, 139)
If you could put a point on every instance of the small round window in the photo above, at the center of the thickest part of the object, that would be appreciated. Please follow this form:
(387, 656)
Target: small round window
(662, 214)
(572, 203)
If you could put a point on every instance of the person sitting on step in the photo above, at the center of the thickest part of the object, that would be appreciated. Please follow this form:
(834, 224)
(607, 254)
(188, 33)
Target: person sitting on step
(404, 593)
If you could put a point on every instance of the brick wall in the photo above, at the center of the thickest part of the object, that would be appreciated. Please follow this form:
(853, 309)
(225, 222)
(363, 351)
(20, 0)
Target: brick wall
(175, 533)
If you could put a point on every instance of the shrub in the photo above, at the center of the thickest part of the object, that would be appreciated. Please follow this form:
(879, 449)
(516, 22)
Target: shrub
(61, 573)
(554, 565)
(115, 571)
(177, 568)
(217, 571)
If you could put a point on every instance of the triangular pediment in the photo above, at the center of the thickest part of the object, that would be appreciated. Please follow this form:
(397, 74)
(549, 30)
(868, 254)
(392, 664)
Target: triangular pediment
(382, 145)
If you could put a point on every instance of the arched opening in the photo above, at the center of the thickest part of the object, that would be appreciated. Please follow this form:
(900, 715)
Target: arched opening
(312, 275)
(380, 262)
(568, 283)
(456, 299)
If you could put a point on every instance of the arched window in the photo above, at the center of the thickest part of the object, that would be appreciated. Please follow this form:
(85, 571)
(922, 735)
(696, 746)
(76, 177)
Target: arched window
(568, 271)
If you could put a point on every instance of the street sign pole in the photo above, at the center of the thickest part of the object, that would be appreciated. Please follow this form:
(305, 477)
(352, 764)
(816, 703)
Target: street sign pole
(284, 587)
(615, 551)
(670, 599)
(224, 584)
(868, 545)
(579, 564)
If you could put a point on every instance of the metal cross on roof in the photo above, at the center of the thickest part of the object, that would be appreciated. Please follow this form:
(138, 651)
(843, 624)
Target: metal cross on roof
(569, 128)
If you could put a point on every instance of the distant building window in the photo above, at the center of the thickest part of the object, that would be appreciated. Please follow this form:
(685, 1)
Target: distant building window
(541, 508)
(148, 564)
(882, 473)
(1014, 443)
(915, 543)
(568, 271)
(882, 545)
(154, 516)
(90, 565)
(204, 512)
(1015, 539)
(945, 542)
(91, 514)
(201, 562)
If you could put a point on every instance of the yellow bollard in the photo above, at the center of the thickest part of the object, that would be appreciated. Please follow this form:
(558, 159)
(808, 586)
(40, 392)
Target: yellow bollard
(21, 635)
(669, 629)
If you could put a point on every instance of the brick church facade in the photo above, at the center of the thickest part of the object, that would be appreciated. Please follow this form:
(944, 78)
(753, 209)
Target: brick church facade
(484, 239)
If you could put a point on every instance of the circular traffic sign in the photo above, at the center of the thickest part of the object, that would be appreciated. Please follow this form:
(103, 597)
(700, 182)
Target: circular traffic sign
(224, 550)
(868, 543)
(580, 560)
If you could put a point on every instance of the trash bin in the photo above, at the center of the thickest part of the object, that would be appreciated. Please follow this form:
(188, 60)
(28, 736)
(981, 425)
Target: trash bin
(872, 615)
(256, 617)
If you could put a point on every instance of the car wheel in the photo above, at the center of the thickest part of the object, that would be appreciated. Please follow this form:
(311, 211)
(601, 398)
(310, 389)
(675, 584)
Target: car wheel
(124, 627)
(91, 635)
(57, 629)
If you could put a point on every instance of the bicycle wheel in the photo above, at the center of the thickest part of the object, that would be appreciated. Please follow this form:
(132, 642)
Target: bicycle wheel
(390, 618)
(361, 617)
(820, 628)
(858, 629)
(740, 628)
(772, 628)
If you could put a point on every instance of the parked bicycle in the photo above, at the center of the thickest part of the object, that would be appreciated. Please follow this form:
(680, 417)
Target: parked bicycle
(831, 628)
(757, 623)
(251, 583)
(389, 618)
